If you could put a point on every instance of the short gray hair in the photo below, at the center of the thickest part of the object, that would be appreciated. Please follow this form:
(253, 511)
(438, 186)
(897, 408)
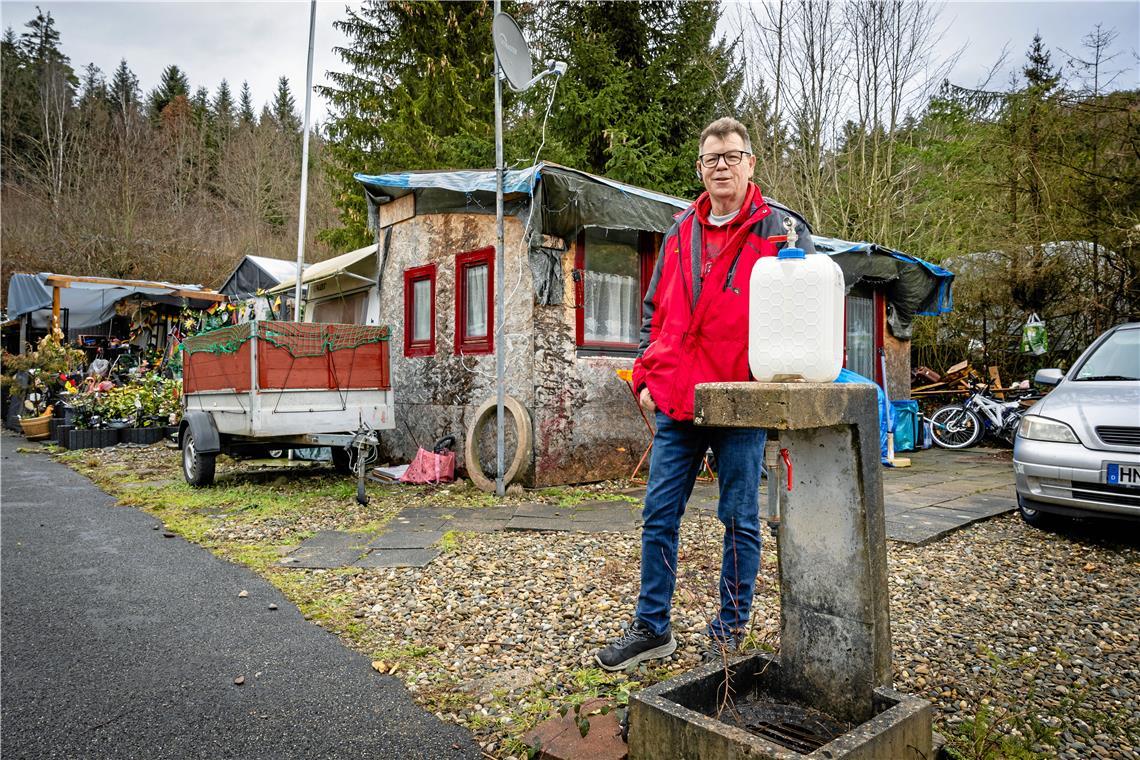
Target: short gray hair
(722, 128)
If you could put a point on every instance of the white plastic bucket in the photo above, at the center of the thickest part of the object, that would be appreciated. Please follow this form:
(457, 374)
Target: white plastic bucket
(795, 318)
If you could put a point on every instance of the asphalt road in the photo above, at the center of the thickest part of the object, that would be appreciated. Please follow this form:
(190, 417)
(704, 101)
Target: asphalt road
(120, 643)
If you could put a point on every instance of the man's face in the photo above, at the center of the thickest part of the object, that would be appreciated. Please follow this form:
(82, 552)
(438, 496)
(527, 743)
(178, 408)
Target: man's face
(726, 184)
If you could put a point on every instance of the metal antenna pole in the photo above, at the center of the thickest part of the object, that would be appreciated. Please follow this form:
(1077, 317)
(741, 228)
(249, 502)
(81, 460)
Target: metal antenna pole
(304, 165)
(500, 290)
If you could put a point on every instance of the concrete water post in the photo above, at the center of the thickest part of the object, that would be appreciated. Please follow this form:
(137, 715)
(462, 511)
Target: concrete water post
(835, 646)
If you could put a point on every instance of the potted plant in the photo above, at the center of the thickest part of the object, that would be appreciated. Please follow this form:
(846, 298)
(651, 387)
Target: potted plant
(38, 376)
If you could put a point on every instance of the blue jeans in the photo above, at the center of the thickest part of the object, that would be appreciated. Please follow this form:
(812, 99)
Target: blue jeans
(678, 450)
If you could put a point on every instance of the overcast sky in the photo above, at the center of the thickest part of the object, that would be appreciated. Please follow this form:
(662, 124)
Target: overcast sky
(261, 41)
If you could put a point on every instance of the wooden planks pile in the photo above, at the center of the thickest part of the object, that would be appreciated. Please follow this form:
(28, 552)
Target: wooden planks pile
(958, 380)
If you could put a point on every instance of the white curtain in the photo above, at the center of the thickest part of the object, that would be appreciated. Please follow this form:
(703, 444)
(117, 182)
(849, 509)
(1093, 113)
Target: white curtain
(861, 336)
(611, 308)
(421, 310)
(476, 301)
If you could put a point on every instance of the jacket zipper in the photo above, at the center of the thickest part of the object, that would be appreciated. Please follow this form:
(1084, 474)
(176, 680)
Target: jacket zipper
(732, 271)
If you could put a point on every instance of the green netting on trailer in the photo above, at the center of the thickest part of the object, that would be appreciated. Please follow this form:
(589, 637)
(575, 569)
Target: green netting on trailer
(224, 340)
(298, 338)
(312, 339)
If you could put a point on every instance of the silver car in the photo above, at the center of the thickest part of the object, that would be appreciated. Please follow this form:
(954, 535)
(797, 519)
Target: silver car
(1077, 451)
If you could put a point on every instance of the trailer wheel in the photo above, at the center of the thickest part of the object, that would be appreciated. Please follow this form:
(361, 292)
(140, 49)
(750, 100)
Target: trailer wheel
(197, 466)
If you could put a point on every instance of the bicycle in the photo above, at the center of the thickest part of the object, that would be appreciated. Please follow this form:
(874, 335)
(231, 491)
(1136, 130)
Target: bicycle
(960, 426)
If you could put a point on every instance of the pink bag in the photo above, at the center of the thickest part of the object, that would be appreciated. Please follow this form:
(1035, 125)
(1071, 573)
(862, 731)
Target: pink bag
(430, 468)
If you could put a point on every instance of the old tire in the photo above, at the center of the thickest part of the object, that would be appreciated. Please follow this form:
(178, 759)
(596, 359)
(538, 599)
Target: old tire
(197, 466)
(523, 450)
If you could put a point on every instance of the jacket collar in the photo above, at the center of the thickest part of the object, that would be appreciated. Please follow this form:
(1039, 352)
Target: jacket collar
(753, 210)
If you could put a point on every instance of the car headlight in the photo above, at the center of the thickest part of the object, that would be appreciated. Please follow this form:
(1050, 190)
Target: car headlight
(1037, 428)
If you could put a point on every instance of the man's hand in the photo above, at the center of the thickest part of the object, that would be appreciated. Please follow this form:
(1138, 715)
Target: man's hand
(647, 401)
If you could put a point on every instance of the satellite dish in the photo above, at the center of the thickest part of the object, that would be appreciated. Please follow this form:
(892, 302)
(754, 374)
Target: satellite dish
(512, 51)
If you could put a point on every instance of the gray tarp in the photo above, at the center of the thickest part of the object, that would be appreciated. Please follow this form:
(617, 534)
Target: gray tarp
(88, 303)
(254, 273)
(567, 199)
(913, 287)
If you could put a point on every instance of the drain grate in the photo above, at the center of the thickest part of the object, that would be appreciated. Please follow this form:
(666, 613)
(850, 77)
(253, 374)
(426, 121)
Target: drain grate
(799, 729)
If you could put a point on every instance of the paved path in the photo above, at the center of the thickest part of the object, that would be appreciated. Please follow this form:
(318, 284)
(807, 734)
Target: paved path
(120, 643)
(941, 492)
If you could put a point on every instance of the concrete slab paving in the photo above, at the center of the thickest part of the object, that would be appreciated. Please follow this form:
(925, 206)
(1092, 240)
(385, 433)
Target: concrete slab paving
(397, 558)
(918, 535)
(523, 522)
(337, 539)
(538, 509)
(322, 558)
(397, 539)
(427, 513)
(419, 523)
(501, 512)
(475, 525)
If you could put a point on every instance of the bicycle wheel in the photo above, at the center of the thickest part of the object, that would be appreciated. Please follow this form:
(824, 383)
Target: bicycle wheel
(956, 427)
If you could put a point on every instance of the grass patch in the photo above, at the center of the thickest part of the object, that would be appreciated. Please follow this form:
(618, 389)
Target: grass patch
(569, 496)
(452, 539)
(259, 557)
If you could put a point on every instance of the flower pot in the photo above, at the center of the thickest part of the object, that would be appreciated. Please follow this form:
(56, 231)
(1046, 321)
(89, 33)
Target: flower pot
(36, 428)
(63, 435)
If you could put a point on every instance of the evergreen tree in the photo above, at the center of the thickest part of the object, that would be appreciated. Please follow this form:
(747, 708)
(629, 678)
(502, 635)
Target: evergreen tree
(1036, 114)
(284, 110)
(223, 110)
(124, 90)
(643, 79)
(200, 106)
(419, 95)
(1039, 72)
(171, 84)
(52, 99)
(246, 116)
(41, 42)
(93, 86)
(17, 97)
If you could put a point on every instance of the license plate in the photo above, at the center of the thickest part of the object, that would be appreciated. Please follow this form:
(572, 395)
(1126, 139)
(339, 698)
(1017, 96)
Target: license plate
(1123, 475)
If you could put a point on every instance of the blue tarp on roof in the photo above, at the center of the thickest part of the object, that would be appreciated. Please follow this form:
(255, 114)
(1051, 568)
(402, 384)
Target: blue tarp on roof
(913, 287)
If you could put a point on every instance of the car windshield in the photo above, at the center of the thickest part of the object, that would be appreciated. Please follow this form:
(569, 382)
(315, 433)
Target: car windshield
(1118, 358)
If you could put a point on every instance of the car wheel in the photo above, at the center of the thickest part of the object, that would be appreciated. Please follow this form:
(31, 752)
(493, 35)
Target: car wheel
(197, 466)
(955, 427)
(1035, 517)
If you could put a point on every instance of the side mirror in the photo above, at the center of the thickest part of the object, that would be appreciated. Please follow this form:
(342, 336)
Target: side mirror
(1048, 376)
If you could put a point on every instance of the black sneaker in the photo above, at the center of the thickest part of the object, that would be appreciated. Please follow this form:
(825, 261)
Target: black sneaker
(636, 645)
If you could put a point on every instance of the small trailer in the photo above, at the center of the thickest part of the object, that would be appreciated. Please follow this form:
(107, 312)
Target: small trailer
(266, 385)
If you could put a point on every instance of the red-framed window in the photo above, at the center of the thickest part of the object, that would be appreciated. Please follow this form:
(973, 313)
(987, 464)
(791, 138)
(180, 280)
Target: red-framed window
(863, 319)
(475, 301)
(612, 269)
(419, 311)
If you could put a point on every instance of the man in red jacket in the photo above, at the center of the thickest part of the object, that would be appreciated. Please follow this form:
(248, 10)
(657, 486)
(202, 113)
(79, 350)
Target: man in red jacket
(695, 330)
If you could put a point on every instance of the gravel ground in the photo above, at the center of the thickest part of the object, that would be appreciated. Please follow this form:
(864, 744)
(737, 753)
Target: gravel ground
(1038, 630)
(1025, 640)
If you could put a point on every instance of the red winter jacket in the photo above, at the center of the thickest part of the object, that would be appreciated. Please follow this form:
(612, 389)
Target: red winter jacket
(696, 331)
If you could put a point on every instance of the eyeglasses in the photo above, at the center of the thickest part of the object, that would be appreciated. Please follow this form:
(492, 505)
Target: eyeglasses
(731, 158)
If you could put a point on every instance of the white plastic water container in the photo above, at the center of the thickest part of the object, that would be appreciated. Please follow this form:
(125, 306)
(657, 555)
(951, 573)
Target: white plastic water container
(795, 318)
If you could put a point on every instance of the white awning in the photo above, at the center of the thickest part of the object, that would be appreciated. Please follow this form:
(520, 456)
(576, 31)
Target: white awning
(324, 270)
